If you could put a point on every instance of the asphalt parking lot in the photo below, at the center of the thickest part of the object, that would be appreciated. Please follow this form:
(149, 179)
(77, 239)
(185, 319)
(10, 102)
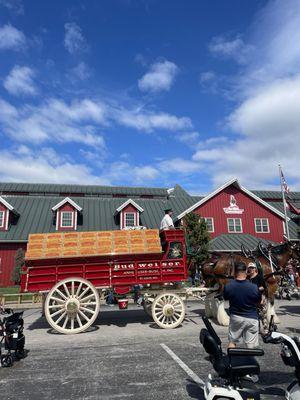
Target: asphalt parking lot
(125, 356)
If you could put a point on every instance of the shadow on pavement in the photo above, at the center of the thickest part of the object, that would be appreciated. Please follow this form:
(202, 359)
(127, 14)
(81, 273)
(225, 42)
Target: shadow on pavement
(194, 391)
(290, 310)
(276, 377)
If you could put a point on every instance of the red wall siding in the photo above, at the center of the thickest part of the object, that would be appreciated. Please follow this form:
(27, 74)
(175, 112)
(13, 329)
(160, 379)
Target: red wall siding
(6, 215)
(66, 207)
(7, 254)
(129, 208)
(252, 209)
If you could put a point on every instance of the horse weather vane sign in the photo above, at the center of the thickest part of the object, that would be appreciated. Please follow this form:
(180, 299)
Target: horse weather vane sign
(233, 207)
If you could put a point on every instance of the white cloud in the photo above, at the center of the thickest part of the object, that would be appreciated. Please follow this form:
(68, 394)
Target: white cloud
(16, 6)
(74, 40)
(236, 48)
(269, 123)
(265, 122)
(121, 172)
(207, 76)
(20, 81)
(179, 166)
(54, 121)
(45, 166)
(160, 76)
(11, 38)
(189, 138)
(81, 72)
(150, 121)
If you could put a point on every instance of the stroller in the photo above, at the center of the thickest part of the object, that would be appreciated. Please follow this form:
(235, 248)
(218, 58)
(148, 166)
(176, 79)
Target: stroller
(12, 337)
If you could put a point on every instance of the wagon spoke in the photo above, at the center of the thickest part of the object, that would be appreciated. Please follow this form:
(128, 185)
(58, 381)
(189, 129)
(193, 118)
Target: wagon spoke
(83, 315)
(57, 313)
(57, 299)
(84, 292)
(61, 317)
(56, 306)
(73, 288)
(78, 320)
(65, 322)
(78, 289)
(90, 303)
(87, 310)
(61, 294)
(67, 290)
(72, 323)
(87, 298)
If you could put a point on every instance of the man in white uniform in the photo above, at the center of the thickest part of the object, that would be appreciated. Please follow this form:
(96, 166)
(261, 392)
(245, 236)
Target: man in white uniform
(167, 222)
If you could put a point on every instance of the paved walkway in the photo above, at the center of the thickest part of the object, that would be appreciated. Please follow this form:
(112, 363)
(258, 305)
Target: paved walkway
(125, 356)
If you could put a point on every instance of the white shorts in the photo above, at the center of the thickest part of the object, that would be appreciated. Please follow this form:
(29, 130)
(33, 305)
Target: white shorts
(243, 329)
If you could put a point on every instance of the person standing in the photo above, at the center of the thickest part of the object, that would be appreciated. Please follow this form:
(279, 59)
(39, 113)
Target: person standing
(167, 221)
(243, 298)
(258, 280)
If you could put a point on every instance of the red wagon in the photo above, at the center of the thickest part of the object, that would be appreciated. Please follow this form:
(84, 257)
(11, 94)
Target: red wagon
(76, 270)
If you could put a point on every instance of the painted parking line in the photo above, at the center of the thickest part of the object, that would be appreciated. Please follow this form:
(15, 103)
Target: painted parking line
(186, 369)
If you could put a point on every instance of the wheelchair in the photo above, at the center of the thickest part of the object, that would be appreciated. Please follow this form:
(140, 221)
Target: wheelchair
(230, 368)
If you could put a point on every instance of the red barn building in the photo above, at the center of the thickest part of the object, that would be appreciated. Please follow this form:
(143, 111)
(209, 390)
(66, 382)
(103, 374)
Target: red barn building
(234, 215)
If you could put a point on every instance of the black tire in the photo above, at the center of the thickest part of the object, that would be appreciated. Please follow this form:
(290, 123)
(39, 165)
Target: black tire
(6, 361)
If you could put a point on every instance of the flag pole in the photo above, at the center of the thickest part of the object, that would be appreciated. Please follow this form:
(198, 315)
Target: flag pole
(284, 204)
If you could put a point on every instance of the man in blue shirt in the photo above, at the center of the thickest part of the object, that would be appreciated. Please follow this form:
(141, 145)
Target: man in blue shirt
(243, 298)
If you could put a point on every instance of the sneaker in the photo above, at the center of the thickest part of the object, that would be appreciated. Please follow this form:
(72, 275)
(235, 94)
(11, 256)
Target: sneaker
(252, 378)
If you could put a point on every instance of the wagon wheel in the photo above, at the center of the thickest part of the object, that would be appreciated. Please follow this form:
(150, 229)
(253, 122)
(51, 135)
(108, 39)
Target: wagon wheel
(168, 310)
(72, 305)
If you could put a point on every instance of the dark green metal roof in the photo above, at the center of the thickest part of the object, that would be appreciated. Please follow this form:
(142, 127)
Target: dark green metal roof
(56, 189)
(293, 227)
(233, 242)
(97, 214)
(274, 194)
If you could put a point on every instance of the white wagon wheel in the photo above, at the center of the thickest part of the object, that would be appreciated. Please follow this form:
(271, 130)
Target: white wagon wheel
(168, 310)
(72, 305)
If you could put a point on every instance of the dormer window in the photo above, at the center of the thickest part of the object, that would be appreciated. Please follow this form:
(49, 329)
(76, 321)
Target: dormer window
(67, 219)
(8, 215)
(130, 219)
(2, 214)
(66, 213)
(129, 213)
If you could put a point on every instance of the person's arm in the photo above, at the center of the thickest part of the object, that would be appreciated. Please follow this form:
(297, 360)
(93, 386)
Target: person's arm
(225, 293)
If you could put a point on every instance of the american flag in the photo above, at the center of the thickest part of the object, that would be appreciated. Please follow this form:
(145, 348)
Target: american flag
(283, 182)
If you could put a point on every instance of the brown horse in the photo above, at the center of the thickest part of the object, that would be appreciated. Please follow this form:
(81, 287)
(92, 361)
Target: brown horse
(217, 272)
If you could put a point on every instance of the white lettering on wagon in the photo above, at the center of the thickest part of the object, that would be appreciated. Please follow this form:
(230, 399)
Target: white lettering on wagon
(164, 264)
(118, 267)
(149, 265)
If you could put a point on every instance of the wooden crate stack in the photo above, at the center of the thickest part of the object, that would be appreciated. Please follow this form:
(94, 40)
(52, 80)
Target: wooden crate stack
(77, 244)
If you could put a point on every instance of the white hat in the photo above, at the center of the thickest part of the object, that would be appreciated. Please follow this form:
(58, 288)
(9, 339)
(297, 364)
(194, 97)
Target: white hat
(251, 264)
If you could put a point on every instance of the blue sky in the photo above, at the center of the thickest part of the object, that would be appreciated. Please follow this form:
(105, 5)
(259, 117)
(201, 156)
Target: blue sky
(150, 93)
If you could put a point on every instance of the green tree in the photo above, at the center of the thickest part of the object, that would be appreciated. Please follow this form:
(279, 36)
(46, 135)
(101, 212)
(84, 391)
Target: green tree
(197, 238)
(18, 264)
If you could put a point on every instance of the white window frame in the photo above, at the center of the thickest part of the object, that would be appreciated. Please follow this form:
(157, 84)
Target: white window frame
(261, 225)
(3, 218)
(235, 231)
(61, 219)
(134, 219)
(212, 224)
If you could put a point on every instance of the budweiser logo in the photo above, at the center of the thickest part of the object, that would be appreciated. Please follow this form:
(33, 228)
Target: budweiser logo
(148, 265)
